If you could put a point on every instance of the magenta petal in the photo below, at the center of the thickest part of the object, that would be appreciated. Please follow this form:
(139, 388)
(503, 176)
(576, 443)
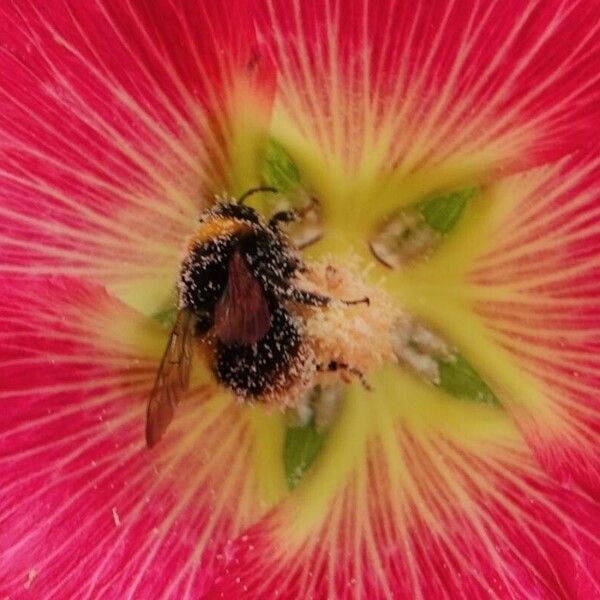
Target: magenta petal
(112, 125)
(506, 84)
(542, 277)
(470, 527)
(86, 510)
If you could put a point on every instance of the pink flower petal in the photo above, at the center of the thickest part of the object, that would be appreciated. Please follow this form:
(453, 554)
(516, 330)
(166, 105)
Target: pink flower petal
(111, 130)
(539, 291)
(113, 118)
(86, 511)
(424, 515)
(404, 85)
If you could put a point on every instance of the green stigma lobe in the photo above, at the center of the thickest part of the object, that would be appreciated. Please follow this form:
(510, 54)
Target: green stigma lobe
(443, 212)
(301, 447)
(166, 317)
(279, 170)
(458, 378)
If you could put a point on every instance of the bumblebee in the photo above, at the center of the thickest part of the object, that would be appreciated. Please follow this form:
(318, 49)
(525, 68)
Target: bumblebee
(235, 292)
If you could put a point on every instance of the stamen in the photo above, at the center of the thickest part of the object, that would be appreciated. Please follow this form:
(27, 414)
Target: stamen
(327, 405)
(321, 404)
(301, 414)
(308, 227)
(414, 232)
(404, 239)
(419, 348)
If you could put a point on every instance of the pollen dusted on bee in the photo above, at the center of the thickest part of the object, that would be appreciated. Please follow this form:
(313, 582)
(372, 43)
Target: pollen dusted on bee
(356, 338)
(348, 342)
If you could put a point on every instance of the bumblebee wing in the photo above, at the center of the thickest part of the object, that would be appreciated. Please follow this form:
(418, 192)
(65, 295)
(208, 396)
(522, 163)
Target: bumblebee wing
(172, 379)
(242, 313)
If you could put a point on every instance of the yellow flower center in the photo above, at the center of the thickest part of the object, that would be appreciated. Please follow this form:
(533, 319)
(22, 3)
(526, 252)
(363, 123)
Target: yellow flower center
(418, 353)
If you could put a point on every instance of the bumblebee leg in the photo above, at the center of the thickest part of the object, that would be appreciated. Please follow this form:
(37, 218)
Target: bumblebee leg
(303, 297)
(293, 267)
(283, 216)
(364, 300)
(312, 299)
(287, 216)
(203, 324)
(334, 365)
(289, 292)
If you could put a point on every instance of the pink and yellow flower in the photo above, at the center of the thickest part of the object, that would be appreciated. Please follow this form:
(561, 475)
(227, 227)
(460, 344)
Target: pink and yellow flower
(119, 121)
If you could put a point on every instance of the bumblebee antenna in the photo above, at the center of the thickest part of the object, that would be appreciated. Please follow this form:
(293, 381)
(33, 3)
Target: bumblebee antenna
(251, 191)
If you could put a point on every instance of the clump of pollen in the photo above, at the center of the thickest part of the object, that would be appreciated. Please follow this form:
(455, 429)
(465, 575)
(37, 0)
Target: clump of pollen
(356, 338)
(342, 343)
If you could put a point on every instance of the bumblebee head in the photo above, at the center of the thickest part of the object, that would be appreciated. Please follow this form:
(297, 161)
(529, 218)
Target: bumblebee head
(228, 207)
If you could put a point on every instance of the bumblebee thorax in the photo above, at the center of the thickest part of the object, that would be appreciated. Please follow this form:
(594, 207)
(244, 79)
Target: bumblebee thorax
(217, 227)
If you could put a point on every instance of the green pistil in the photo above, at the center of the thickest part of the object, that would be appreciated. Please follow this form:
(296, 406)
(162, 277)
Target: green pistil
(166, 317)
(443, 212)
(279, 170)
(458, 378)
(301, 447)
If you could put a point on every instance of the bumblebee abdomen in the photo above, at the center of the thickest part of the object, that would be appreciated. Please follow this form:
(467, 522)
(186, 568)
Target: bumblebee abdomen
(266, 367)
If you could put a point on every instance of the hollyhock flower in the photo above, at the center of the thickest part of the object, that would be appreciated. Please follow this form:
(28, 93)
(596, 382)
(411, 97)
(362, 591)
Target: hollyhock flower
(453, 151)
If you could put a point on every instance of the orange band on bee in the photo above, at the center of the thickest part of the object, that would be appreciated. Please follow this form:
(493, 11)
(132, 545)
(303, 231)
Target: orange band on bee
(216, 228)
